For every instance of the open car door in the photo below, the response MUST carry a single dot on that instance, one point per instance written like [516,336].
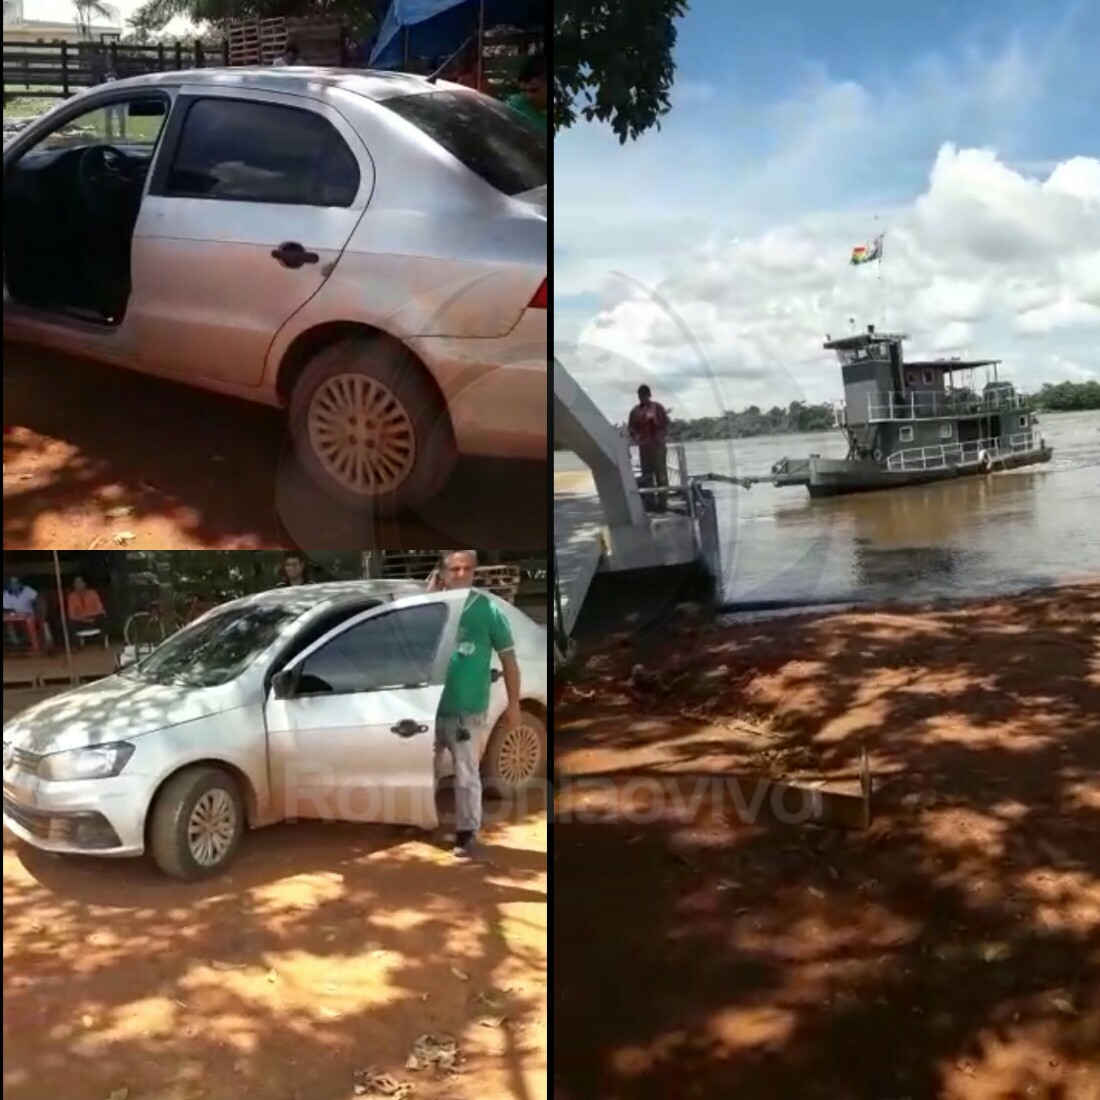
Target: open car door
[351,720]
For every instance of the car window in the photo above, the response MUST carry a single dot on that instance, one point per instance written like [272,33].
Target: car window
[216,649]
[242,151]
[393,650]
[488,137]
[135,124]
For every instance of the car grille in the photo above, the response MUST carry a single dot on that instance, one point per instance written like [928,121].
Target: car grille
[20,758]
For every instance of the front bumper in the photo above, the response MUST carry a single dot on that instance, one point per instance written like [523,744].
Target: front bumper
[102,817]
[495,389]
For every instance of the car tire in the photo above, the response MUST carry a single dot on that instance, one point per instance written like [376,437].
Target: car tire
[369,427]
[207,792]
[516,759]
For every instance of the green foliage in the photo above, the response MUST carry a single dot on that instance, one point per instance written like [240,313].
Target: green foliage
[1069,396]
[360,16]
[613,62]
[797,417]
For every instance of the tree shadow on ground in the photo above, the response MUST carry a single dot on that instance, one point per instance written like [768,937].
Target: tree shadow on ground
[196,470]
[952,950]
[327,949]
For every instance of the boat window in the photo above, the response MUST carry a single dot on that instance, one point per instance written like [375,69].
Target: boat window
[1023,421]
[906,435]
[929,377]
[946,431]
[911,377]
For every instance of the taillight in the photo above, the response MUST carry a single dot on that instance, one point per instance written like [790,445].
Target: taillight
[539,300]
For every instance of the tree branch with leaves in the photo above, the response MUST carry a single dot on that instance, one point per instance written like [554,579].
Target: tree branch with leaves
[613,62]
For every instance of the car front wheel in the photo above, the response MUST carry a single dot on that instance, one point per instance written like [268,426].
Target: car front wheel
[197,824]
[516,758]
[369,427]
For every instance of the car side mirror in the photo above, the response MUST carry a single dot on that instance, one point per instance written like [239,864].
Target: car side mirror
[284,683]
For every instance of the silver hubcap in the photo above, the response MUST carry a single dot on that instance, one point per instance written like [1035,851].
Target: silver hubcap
[519,756]
[362,434]
[211,828]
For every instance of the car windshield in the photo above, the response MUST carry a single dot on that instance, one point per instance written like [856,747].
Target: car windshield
[216,649]
[491,139]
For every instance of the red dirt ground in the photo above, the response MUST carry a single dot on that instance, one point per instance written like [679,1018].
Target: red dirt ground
[950,951]
[327,950]
[197,471]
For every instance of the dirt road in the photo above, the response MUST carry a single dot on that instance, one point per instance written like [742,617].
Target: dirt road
[951,951]
[180,469]
[329,950]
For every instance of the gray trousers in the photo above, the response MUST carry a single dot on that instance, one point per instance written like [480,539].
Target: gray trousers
[461,736]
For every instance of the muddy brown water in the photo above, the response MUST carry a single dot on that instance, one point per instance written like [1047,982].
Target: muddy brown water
[974,537]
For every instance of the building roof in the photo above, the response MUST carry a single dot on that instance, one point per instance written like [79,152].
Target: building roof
[954,364]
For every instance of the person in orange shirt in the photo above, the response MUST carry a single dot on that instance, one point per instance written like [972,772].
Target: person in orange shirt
[85,608]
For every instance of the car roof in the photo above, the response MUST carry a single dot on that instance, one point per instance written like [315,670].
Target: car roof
[309,597]
[376,85]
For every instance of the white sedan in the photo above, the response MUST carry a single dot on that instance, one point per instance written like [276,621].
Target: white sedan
[312,702]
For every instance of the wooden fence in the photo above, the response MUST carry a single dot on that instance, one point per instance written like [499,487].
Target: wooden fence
[60,69]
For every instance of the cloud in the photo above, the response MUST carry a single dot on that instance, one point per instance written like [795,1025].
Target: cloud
[984,260]
[740,212]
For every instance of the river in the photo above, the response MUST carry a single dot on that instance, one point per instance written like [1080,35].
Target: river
[975,536]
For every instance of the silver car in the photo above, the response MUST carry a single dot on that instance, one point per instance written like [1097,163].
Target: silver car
[365,250]
[312,702]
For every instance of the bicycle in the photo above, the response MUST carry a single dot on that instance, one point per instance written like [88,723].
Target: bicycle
[146,629]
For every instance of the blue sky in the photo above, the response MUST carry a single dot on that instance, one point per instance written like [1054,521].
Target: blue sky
[970,132]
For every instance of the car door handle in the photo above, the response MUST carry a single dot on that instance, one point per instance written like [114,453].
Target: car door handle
[291,254]
[408,728]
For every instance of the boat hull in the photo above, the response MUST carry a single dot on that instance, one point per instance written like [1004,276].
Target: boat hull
[825,477]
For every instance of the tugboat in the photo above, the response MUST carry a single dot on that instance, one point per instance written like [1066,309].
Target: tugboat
[910,424]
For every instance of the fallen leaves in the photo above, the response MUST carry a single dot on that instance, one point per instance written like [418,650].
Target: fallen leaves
[433,1052]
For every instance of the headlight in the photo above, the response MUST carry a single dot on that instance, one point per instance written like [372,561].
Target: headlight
[102,762]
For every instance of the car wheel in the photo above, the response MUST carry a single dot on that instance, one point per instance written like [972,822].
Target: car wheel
[197,824]
[514,759]
[369,427]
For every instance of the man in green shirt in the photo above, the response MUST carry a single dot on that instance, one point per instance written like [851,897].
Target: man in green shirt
[530,100]
[462,724]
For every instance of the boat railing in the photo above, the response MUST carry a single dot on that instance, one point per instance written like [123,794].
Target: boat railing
[918,405]
[678,493]
[940,456]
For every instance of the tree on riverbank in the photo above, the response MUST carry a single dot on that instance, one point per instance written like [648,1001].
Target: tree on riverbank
[753,421]
[613,62]
[1069,396]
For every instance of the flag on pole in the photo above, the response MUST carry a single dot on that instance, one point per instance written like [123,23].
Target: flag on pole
[865,254]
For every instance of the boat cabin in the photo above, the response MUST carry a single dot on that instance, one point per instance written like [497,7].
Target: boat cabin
[898,412]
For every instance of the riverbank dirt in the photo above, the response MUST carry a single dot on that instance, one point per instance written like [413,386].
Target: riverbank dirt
[96,458]
[327,952]
[951,950]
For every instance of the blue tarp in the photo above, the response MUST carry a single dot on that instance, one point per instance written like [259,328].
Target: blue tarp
[436,28]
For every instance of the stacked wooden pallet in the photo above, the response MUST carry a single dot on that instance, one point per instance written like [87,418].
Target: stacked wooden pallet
[320,40]
[255,41]
[261,41]
[503,580]
[409,565]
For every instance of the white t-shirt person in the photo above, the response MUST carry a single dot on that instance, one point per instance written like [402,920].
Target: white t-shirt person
[20,602]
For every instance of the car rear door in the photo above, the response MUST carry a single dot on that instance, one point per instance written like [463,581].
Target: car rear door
[252,201]
[354,740]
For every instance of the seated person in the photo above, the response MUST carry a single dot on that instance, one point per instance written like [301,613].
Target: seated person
[21,603]
[85,608]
